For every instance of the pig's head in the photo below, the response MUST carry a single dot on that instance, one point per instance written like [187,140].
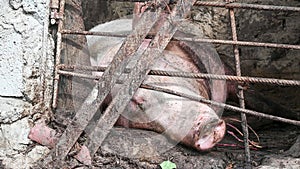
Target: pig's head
[208,129]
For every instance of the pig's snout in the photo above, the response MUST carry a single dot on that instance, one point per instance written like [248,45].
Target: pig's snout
[210,139]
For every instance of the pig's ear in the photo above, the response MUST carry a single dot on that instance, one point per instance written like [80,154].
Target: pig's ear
[138,9]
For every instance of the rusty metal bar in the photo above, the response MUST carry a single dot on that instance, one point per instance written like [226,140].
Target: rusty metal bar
[218,41]
[241,43]
[199,98]
[247,6]
[137,75]
[75,32]
[82,75]
[48,158]
[280,82]
[240,89]
[57,56]
[106,82]
[54,4]
[226,106]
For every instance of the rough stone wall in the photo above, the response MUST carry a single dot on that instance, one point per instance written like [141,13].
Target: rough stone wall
[26,71]
[259,26]
[110,10]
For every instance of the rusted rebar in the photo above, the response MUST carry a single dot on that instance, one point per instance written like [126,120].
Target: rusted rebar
[64,69]
[247,6]
[240,88]
[241,43]
[137,75]
[280,82]
[105,84]
[58,51]
[226,106]
[78,32]
[217,41]
[48,158]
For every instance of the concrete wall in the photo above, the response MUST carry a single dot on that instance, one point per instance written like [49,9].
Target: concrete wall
[26,71]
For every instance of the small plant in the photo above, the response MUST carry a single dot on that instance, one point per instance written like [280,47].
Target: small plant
[167,165]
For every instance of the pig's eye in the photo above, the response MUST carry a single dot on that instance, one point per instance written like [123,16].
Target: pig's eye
[215,134]
[196,135]
[204,137]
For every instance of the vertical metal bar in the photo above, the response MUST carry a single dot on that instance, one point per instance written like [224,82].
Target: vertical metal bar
[137,76]
[58,51]
[54,4]
[240,92]
[105,84]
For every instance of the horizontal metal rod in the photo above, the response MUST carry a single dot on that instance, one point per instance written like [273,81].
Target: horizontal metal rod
[280,82]
[77,32]
[226,106]
[247,6]
[199,99]
[241,43]
[218,41]
[235,5]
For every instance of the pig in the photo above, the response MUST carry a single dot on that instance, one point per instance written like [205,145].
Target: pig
[194,124]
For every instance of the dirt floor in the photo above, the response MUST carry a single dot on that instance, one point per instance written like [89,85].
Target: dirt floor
[275,140]
[128,148]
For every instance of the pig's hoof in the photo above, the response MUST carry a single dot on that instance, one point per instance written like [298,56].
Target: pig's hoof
[43,135]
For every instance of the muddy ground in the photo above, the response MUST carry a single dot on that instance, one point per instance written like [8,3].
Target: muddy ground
[278,147]
[275,140]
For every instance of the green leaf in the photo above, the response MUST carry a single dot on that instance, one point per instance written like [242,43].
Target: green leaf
[167,165]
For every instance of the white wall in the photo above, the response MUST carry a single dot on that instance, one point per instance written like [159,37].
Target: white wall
[26,68]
